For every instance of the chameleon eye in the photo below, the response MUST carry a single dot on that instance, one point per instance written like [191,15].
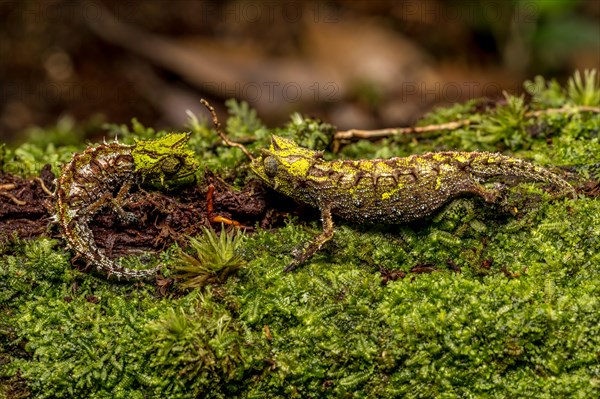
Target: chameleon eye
[170,165]
[270,164]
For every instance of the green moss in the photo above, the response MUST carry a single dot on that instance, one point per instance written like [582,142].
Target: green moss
[213,260]
[520,319]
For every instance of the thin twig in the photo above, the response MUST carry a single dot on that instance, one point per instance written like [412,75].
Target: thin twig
[397,131]
[347,135]
[566,108]
[220,131]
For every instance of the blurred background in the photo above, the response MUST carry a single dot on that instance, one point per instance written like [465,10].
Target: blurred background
[355,64]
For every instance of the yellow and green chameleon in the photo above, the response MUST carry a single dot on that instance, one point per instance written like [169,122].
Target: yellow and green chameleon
[102,176]
[395,190]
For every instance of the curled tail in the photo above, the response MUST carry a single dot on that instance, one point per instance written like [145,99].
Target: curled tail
[81,240]
[490,165]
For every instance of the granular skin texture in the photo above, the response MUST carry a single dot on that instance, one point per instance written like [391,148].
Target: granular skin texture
[102,176]
[395,190]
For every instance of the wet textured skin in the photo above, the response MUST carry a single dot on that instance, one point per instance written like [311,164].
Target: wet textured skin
[102,176]
[392,190]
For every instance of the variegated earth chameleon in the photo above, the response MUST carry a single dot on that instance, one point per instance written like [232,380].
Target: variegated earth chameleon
[101,176]
[395,190]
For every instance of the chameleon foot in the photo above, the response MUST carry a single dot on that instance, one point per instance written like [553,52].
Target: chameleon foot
[316,244]
[489,195]
[128,218]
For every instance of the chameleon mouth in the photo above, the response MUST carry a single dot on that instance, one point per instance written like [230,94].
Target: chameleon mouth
[190,173]
[178,176]
[256,165]
[181,179]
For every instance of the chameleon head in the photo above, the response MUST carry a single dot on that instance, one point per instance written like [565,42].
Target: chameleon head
[165,161]
[284,165]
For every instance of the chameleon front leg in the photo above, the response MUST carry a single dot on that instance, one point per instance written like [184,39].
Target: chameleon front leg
[108,199]
[88,212]
[126,217]
[489,195]
[317,243]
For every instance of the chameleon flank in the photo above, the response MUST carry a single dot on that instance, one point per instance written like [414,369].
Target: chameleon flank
[103,175]
[392,190]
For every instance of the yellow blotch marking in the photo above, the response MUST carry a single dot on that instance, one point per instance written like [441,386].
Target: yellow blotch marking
[365,165]
[384,168]
[439,157]
[392,192]
[461,157]
[420,161]
[336,166]
[388,194]
[298,167]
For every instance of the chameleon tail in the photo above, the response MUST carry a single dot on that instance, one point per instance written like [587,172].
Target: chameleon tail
[489,165]
[81,240]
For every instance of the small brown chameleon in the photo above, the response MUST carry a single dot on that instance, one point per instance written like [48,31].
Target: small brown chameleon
[101,176]
[395,190]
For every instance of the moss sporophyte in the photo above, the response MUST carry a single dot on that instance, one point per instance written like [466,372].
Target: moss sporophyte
[89,182]
[395,190]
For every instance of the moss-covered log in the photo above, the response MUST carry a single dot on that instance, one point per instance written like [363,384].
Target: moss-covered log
[475,301]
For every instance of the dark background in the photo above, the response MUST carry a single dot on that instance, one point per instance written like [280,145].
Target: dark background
[360,64]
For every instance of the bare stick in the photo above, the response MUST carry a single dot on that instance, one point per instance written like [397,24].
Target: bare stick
[220,131]
[566,108]
[397,131]
[347,135]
